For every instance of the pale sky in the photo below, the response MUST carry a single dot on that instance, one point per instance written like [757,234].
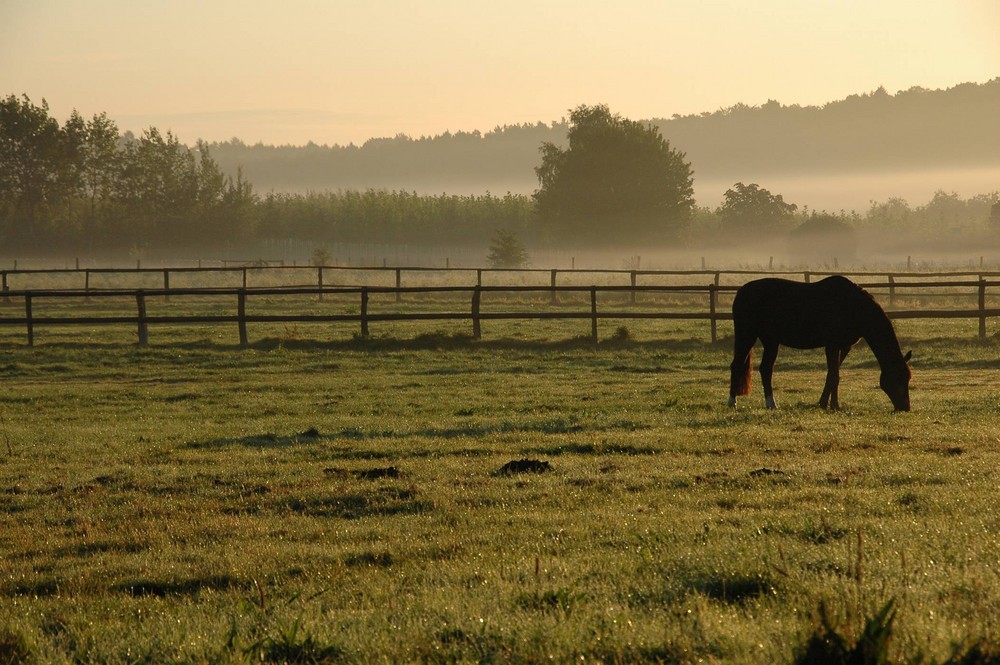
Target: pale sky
[341,72]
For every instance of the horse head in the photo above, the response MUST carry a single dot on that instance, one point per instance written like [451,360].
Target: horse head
[895,381]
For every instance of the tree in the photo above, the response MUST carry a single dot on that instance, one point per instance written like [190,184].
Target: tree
[752,210]
[100,168]
[507,251]
[995,215]
[945,210]
[321,257]
[33,165]
[158,188]
[894,214]
[225,210]
[619,181]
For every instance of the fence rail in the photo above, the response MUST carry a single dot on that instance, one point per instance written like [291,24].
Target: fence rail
[319,274]
[142,320]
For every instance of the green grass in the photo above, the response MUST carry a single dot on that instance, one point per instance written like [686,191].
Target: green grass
[340,501]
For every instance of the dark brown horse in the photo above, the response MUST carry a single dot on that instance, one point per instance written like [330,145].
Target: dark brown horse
[833,313]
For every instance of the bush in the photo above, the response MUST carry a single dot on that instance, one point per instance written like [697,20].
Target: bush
[507,251]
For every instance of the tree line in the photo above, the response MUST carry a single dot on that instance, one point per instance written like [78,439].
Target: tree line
[84,187]
[877,131]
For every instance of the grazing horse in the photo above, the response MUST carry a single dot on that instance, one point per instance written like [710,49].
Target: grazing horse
[833,313]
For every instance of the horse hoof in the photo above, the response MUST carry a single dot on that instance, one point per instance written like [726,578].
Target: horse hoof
[732,402]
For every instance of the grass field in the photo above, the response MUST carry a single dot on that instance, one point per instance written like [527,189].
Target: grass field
[328,501]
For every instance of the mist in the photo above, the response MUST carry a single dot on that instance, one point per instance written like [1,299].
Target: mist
[833,192]
[857,191]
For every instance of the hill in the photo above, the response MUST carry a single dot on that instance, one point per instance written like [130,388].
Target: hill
[867,135]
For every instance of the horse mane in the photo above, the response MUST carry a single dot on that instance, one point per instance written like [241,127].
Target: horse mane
[881,334]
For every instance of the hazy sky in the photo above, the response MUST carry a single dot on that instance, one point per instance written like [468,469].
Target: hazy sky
[342,72]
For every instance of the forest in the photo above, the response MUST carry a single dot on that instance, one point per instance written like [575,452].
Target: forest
[82,187]
[863,133]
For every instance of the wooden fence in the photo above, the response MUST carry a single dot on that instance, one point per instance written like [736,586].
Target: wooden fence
[474,315]
[323,276]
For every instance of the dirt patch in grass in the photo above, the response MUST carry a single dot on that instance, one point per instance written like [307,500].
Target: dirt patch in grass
[376,473]
[382,502]
[518,466]
[188,587]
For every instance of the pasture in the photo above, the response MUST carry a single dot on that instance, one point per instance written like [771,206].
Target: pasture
[305,500]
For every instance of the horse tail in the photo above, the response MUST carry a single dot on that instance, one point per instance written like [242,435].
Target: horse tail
[744,337]
[742,373]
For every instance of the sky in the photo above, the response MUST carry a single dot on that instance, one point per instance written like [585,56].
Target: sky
[340,72]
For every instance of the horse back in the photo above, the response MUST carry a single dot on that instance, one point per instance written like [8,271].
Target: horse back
[831,311]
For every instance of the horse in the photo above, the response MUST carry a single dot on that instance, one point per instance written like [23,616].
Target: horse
[834,313]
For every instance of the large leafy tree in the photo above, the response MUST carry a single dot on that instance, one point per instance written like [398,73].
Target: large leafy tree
[36,165]
[618,182]
[752,210]
[101,160]
[173,194]
[226,205]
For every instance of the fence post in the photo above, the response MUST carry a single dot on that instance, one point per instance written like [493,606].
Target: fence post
[27,318]
[319,281]
[593,313]
[6,289]
[477,332]
[479,276]
[166,285]
[364,311]
[982,308]
[713,295]
[244,278]
[552,280]
[86,286]
[806,273]
[399,281]
[241,313]
[892,291]
[140,301]
[632,279]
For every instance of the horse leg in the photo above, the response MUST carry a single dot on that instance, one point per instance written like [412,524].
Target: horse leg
[767,369]
[833,358]
[834,398]
[739,380]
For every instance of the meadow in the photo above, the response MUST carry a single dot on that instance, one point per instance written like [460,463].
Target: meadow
[322,497]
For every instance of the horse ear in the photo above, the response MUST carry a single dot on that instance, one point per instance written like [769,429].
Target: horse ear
[906,358]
